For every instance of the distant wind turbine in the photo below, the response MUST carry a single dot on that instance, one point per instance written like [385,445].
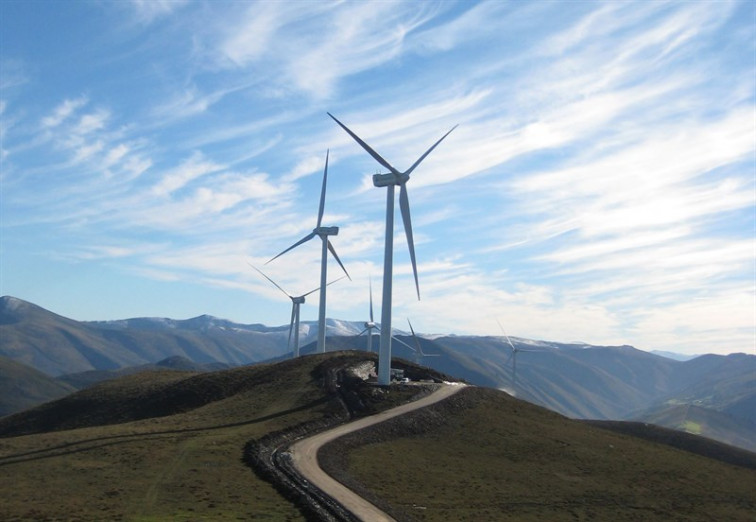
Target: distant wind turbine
[323,233]
[419,354]
[296,300]
[390,180]
[370,325]
[513,357]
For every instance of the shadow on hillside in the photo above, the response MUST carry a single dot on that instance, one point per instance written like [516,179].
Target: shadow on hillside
[56,451]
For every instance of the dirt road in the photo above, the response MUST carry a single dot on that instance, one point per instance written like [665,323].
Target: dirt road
[304,455]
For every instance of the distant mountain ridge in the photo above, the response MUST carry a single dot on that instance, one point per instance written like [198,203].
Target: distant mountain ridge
[575,379]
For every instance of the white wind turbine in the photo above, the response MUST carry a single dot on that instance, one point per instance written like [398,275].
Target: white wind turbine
[323,233]
[390,180]
[513,357]
[296,300]
[419,354]
[370,325]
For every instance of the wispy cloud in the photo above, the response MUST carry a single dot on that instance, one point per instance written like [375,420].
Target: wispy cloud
[311,48]
[599,186]
[63,111]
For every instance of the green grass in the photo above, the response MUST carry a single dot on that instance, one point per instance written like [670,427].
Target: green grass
[185,466]
[485,456]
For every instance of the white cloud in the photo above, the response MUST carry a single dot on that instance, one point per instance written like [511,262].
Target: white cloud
[311,48]
[194,167]
[91,122]
[63,111]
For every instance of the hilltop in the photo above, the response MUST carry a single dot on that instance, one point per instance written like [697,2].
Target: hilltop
[161,445]
[483,455]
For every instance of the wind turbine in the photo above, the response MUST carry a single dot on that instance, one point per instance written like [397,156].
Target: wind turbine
[296,300]
[390,180]
[513,357]
[323,233]
[370,325]
[419,352]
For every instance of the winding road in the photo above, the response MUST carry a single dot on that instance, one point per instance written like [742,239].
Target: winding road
[304,455]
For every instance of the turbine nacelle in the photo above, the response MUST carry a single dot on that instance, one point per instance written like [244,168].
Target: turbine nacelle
[386,180]
[325,231]
[298,300]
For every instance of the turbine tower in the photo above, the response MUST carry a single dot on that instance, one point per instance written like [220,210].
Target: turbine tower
[391,180]
[323,233]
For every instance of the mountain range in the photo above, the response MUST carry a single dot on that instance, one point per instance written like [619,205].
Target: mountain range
[45,356]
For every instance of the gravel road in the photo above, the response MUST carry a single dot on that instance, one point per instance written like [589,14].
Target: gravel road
[304,455]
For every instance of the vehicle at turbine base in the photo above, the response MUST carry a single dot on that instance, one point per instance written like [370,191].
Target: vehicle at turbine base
[397,374]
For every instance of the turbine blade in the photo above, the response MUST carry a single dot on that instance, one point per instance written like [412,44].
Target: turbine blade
[333,251]
[405,344]
[404,207]
[367,147]
[295,245]
[291,323]
[269,279]
[411,329]
[505,335]
[421,158]
[371,300]
[323,191]
[417,341]
[318,288]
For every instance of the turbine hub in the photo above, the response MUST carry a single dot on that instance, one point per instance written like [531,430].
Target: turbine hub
[298,300]
[326,231]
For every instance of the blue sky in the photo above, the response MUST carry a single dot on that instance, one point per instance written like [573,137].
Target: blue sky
[599,188]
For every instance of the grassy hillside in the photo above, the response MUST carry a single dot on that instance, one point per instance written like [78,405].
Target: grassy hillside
[704,421]
[176,363]
[22,387]
[483,455]
[168,446]
[182,465]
